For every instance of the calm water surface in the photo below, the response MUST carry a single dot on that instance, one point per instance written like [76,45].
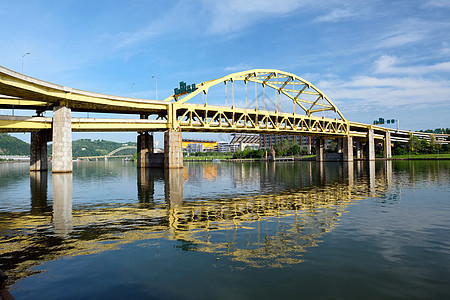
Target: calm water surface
[228,231]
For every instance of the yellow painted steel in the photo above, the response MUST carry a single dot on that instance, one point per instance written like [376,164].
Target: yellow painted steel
[23,87]
[174,113]
[206,144]
[24,124]
[288,84]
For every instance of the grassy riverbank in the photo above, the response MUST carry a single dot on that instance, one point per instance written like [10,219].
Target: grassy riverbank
[422,156]
[203,158]
[230,157]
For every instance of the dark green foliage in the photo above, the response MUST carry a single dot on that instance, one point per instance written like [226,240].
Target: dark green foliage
[398,149]
[249,153]
[417,146]
[10,145]
[285,148]
[437,130]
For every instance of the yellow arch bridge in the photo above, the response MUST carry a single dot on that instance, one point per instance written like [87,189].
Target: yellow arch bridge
[255,101]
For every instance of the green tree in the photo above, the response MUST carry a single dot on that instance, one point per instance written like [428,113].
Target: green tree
[413,143]
[282,148]
[294,149]
[424,146]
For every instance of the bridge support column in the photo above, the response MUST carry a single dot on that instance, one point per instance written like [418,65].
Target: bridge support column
[173,153]
[387,145]
[358,149]
[38,150]
[347,154]
[144,149]
[339,145]
[308,147]
[370,145]
[62,140]
[320,145]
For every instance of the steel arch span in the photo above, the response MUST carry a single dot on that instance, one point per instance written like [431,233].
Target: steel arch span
[290,85]
[186,116]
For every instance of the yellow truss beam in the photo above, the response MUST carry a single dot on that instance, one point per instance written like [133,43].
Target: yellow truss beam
[264,77]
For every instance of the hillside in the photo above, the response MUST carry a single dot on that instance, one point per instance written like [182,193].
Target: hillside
[10,145]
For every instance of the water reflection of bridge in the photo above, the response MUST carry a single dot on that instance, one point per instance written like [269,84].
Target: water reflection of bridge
[280,223]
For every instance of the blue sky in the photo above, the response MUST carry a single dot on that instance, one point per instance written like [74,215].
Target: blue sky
[373,59]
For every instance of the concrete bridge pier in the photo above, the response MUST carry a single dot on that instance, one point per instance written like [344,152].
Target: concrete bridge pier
[370,146]
[38,150]
[144,149]
[340,145]
[308,147]
[387,145]
[62,140]
[320,145]
[173,152]
[359,148]
[347,149]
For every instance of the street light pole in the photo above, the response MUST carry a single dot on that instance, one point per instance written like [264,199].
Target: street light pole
[131,93]
[156,81]
[22,59]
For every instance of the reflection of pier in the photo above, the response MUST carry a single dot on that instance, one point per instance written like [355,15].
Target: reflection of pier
[298,204]
[62,204]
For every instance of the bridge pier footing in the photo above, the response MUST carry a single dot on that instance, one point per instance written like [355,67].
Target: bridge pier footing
[62,140]
[144,149]
[173,153]
[347,153]
[320,145]
[38,150]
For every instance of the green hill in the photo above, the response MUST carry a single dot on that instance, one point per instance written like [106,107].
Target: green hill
[10,145]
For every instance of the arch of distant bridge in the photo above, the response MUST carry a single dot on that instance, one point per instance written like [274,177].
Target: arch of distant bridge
[120,149]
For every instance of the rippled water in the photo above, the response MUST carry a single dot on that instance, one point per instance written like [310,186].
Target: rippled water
[227,230]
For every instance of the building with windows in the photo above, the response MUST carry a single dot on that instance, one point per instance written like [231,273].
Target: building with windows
[194,147]
[207,145]
[268,141]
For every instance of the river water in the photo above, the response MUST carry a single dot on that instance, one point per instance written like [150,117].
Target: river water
[228,231]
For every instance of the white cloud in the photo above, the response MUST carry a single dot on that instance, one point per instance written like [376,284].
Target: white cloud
[367,92]
[401,37]
[231,16]
[336,15]
[238,67]
[389,64]
[437,3]
[445,50]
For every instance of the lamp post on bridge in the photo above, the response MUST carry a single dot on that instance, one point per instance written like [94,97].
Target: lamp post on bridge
[156,83]
[131,89]
[22,59]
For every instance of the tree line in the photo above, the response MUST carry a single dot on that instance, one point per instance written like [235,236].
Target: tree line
[419,146]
